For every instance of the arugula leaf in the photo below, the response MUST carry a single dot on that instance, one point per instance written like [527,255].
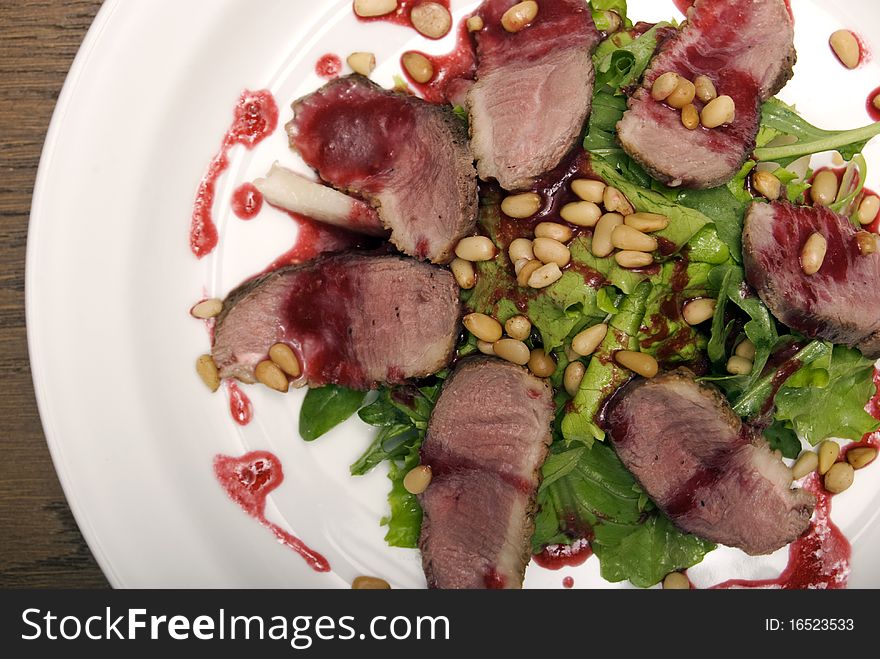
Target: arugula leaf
[645,553]
[726,208]
[706,246]
[405,521]
[325,408]
[603,375]
[777,118]
[827,398]
[624,65]
[587,492]
[781,437]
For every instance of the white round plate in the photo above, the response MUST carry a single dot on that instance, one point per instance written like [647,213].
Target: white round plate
[110,280]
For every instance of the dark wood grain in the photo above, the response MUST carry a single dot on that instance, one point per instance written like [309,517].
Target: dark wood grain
[40,545]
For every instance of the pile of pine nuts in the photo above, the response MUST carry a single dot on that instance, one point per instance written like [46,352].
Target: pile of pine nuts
[509,342]
[678,92]
[469,251]
[837,475]
[742,360]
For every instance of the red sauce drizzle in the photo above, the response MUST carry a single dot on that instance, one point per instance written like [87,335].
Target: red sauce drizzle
[873,112]
[329,66]
[248,481]
[247,201]
[239,404]
[873,406]
[255,117]
[568,582]
[453,72]
[818,559]
[556,557]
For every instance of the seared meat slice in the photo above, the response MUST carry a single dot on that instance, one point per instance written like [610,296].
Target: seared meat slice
[533,92]
[841,302]
[352,319]
[487,439]
[747,50]
[286,189]
[411,160]
[707,471]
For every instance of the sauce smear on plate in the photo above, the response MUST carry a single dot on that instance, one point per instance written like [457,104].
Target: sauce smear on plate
[255,117]
[556,557]
[248,481]
[328,66]
[239,404]
[247,201]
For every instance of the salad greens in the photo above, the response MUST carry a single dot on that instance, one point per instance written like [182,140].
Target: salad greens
[797,389]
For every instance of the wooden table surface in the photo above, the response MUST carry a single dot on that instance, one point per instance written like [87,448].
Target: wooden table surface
[40,544]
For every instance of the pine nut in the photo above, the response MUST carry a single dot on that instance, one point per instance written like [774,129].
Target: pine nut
[588,189]
[628,258]
[638,362]
[475,248]
[698,311]
[581,213]
[207,309]
[520,264]
[664,85]
[520,248]
[839,477]
[683,94]
[369,583]
[545,276]
[541,364]
[601,245]
[485,347]
[647,222]
[518,327]
[525,274]
[868,209]
[431,19]
[737,365]
[417,479]
[269,374]
[813,253]
[876,102]
[520,206]
[861,457]
[553,230]
[571,379]
[585,343]
[867,242]
[464,273]
[283,356]
[676,581]
[767,185]
[613,20]
[551,251]
[483,327]
[846,47]
[717,112]
[207,370]
[474,24]
[806,463]
[690,117]
[705,88]
[625,237]
[363,63]
[746,349]
[369,8]
[615,201]
[824,188]
[418,66]
[519,16]
[828,453]
[837,159]
[513,351]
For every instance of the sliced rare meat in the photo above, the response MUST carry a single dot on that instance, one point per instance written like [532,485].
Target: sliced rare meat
[533,91]
[352,319]
[410,159]
[841,302]
[286,189]
[747,50]
[487,439]
[708,472]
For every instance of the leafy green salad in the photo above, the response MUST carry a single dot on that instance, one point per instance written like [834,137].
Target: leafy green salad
[585,486]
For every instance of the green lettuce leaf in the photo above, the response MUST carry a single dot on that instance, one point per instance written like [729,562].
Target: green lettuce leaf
[405,521]
[623,63]
[827,398]
[324,408]
[781,437]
